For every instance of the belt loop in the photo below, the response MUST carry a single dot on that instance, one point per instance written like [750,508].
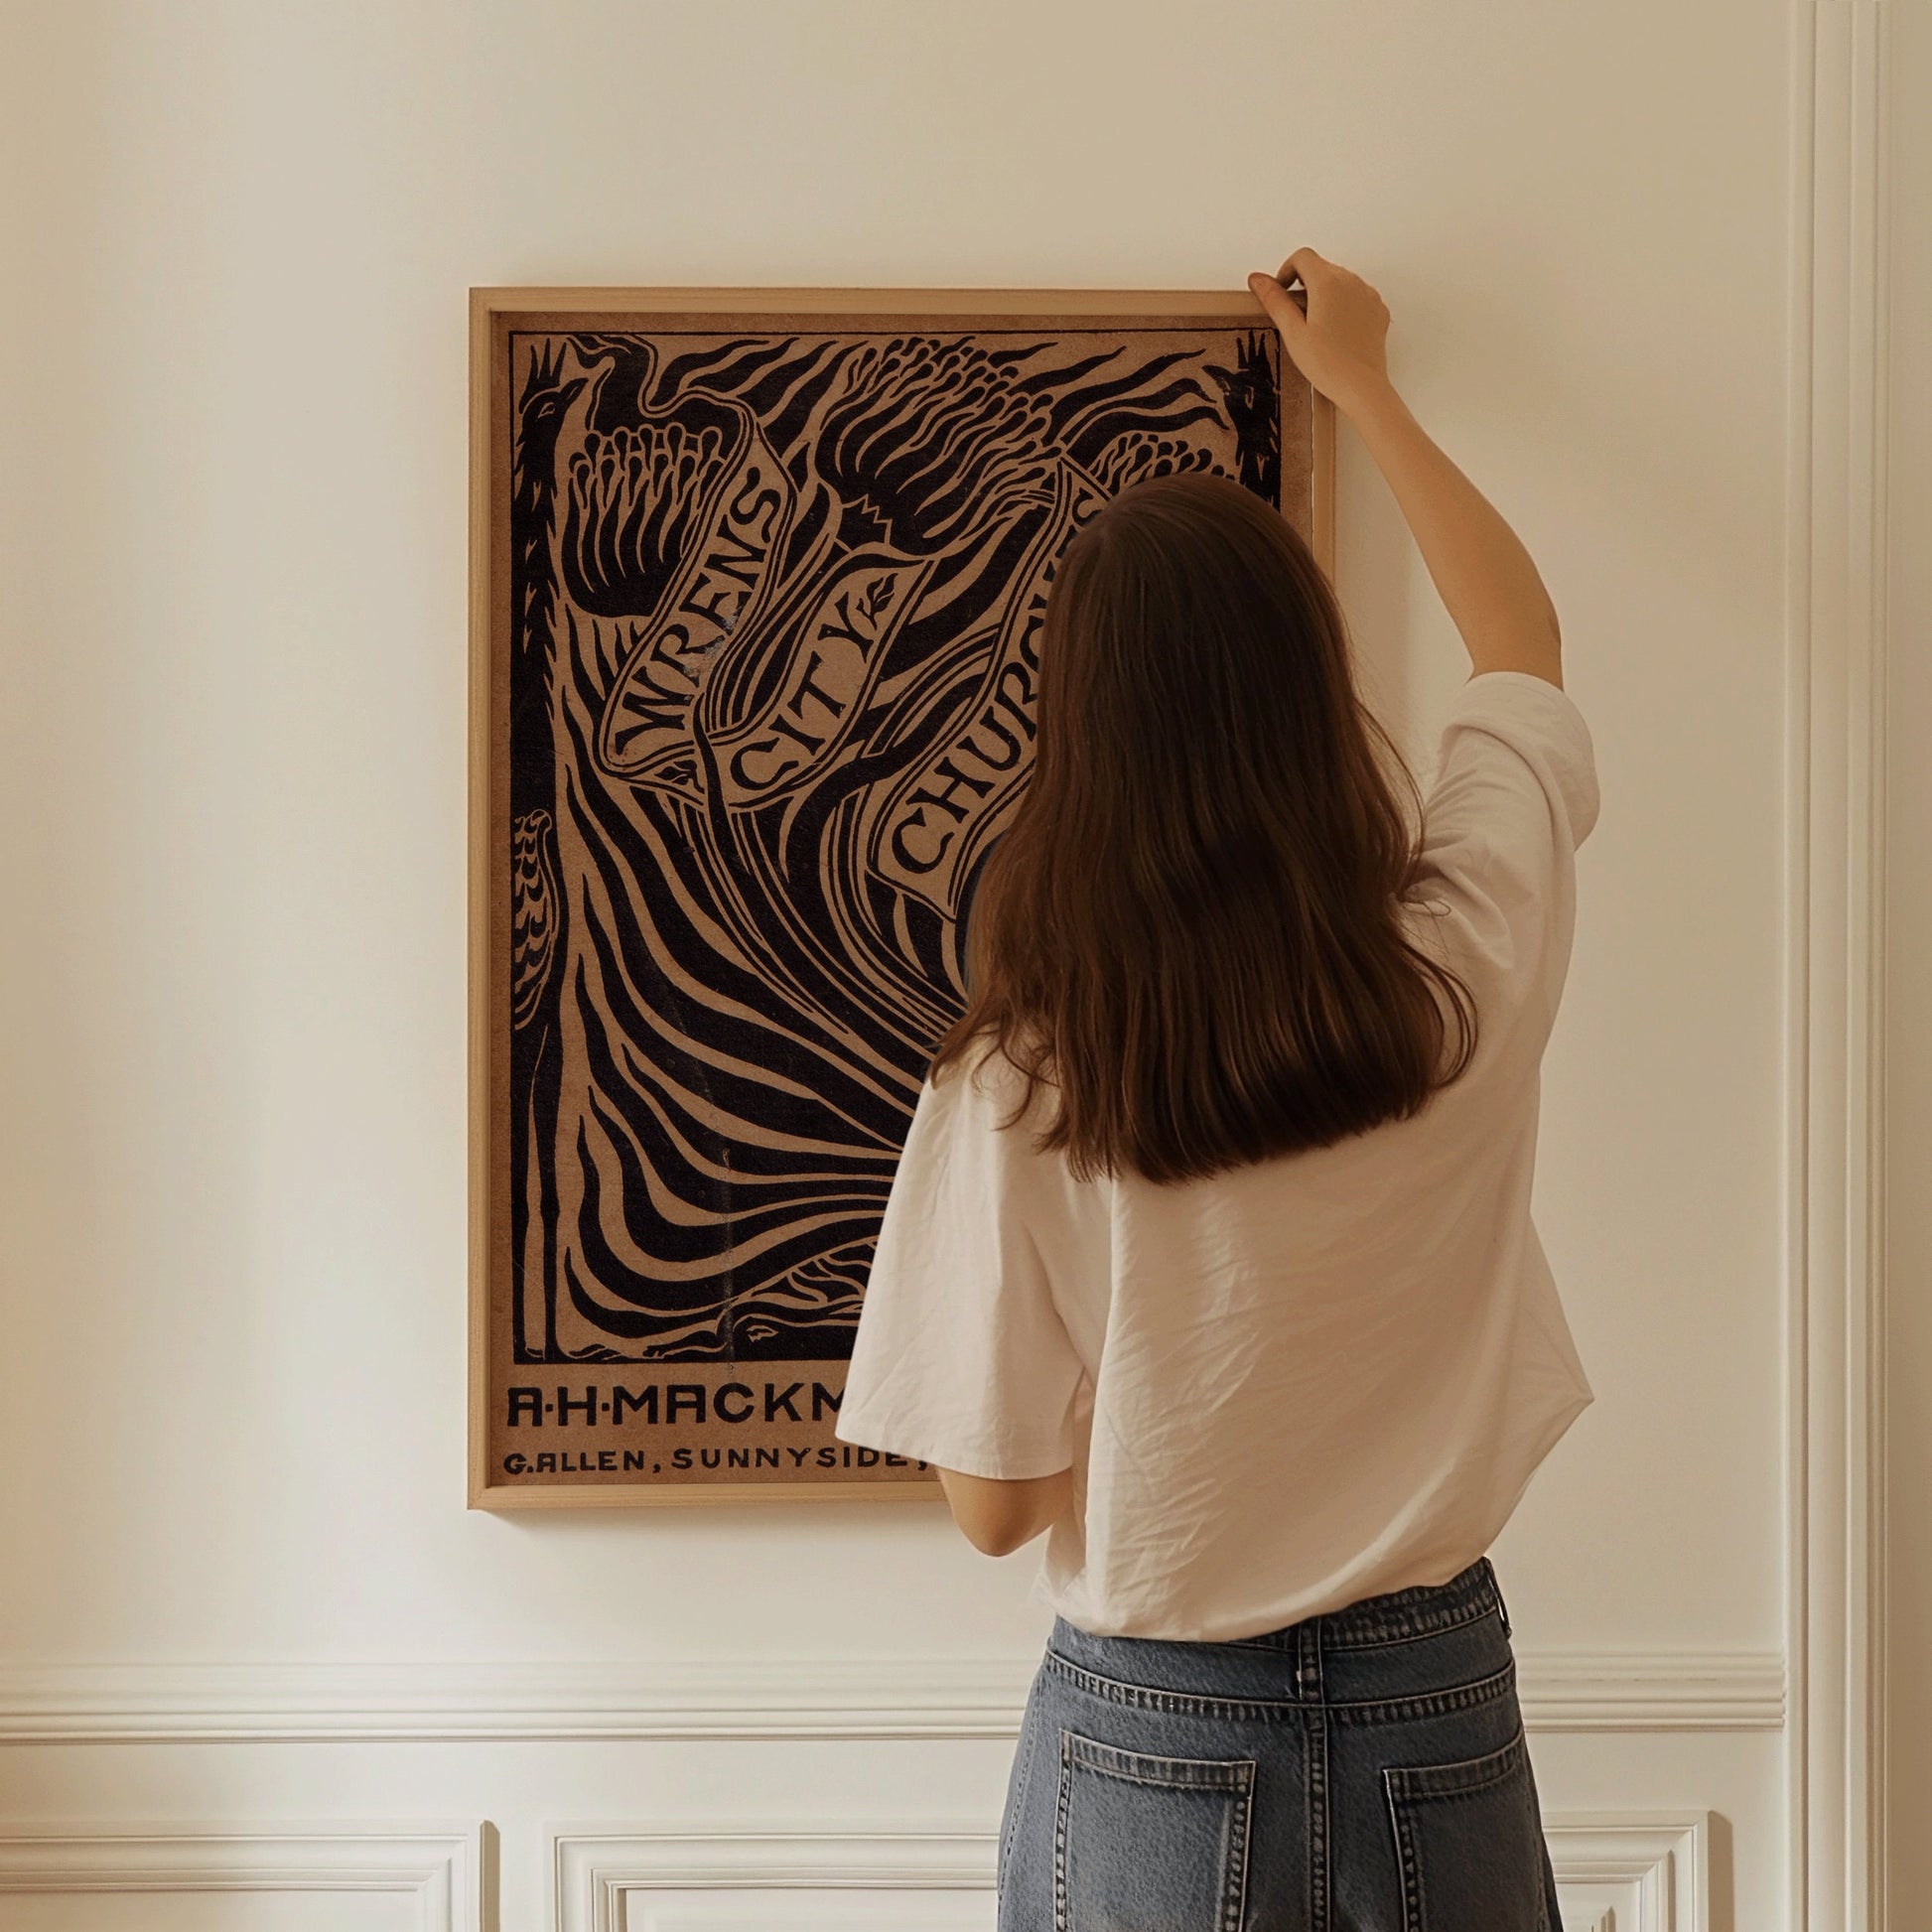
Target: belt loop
[1502,1609]
[1307,1659]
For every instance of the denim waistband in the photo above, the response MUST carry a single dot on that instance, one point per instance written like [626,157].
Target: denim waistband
[1399,1614]
[1362,1661]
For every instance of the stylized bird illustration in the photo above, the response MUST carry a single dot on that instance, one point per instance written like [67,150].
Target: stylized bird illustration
[547,396]
[1254,409]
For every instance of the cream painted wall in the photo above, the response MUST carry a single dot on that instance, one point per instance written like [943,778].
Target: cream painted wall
[233,528]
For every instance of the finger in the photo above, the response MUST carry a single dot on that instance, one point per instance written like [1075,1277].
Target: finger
[1286,308]
[1303,262]
[1281,307]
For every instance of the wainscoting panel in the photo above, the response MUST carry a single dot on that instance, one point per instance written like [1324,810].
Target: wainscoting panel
[612,1879]
[424,1879]
[1638,1872]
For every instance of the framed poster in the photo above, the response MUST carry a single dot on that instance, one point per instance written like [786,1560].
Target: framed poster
[757,579]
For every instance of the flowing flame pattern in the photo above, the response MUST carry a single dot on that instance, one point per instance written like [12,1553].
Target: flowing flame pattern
[776,598]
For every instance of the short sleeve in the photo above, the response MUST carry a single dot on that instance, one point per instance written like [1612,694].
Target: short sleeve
[961,1358]
[1515,795]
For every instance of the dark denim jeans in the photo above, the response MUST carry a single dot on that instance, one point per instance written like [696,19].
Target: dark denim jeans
[1361,1771]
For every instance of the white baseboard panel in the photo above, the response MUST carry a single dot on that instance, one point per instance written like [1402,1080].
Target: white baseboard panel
[440,1867]
[808,1698]
[1636,1871]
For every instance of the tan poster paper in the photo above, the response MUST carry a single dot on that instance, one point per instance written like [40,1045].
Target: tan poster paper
[758,578]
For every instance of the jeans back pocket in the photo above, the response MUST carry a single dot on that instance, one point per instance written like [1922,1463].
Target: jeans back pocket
[1150,1844]
[1470,1844]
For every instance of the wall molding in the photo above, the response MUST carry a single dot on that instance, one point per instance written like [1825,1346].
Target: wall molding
[595,1868]
[1618,1871]
[1834,1008]
[439,1867]
[1632,1871]
[958,1698]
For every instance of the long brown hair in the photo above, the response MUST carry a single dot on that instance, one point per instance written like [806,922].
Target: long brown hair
[1190,929]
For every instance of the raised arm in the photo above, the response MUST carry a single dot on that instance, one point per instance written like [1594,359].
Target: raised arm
[1335,328]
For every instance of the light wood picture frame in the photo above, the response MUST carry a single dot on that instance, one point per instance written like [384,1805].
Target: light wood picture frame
[749,568]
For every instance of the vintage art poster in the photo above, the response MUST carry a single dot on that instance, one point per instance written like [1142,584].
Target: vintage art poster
[757,586]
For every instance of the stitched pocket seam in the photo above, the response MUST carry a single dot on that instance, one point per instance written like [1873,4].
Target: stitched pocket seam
[1233,1776]
[1149,1767]
[1408,1787]
[1465,1774]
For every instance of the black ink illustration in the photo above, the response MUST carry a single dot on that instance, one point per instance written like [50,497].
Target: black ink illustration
[774,609]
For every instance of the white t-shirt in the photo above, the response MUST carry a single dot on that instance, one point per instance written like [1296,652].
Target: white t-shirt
[1291,1385]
